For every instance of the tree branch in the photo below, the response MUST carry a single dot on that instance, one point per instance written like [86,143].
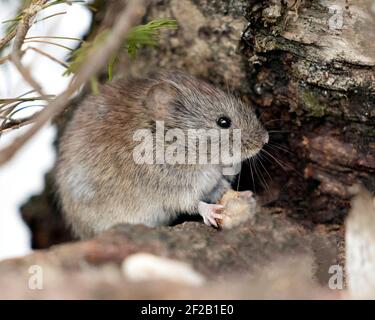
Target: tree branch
[22,28]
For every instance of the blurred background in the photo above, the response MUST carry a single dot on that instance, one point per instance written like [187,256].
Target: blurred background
[23,176]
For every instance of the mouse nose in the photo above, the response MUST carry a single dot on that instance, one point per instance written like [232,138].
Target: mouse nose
[266,138]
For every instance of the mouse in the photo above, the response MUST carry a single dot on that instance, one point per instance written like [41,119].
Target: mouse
[102,182]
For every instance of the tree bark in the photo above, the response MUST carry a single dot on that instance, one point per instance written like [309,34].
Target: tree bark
[312,62]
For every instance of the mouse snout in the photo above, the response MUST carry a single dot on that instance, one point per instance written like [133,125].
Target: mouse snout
[262,136]
[254,141]
[266,137]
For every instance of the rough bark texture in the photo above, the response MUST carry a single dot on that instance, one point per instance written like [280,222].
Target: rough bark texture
[313,84]
[319,76]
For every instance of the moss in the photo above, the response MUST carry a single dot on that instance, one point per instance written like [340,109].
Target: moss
[312,103]
[265,44]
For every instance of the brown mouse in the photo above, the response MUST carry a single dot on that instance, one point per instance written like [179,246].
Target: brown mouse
[100,180]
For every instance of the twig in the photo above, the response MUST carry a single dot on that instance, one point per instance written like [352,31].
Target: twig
[21,30]
[11,100]
[47,55]
[4,59]
[18,123]
[51,43]
[7,109]
[54,37]
[51,16]
[4,41]
[130,16]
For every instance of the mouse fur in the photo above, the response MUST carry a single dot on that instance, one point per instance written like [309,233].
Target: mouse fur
[98,182]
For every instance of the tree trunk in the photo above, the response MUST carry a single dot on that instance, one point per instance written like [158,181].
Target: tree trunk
[312,63]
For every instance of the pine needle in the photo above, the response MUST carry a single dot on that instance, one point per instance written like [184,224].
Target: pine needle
[139,36]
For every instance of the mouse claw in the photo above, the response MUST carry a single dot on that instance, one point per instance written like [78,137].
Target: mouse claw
[210,212]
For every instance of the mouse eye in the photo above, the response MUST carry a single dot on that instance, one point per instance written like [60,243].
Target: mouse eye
[224,122]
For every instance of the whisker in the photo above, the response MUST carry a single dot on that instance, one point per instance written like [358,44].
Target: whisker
[265,169]
[264,178]
[259,173]
[278,131]
[280,145]
[281,164]
[275,147]
[252,175]
[273,120]
[239,178]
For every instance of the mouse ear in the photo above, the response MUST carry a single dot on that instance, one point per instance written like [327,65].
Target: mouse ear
[159,99]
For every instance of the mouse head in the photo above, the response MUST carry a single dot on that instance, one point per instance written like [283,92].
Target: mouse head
[184,102]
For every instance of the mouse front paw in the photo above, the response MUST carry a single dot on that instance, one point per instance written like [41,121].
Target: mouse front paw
[210,212]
